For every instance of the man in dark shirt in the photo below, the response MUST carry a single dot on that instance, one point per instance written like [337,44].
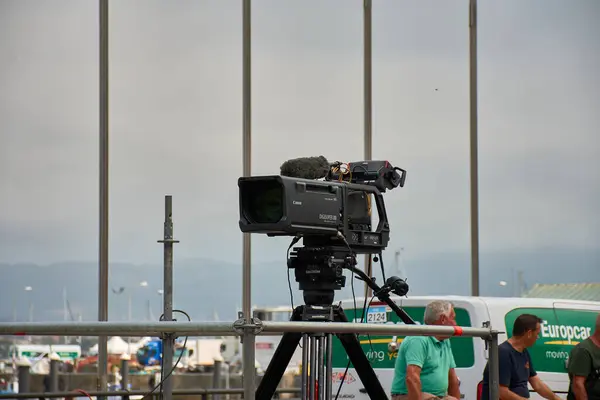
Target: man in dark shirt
[584,368]
[515,365]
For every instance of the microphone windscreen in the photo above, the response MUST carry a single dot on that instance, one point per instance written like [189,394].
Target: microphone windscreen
[306,167]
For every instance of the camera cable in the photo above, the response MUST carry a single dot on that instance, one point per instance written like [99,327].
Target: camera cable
[163,378]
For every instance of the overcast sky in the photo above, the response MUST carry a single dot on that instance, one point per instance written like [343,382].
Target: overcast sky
[176,120]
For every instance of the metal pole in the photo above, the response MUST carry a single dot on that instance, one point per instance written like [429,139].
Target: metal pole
[248,339]
[168,340]
[268,328]
[312,365]
[96,328]
[54,360]
[65,310]
[30,310]
[24,377]
[368,104]
[125,374]
[321,365]
[305,367]
[494,369]
[217,366]
[328,379]
[103,233]
[204,393]
[474,156]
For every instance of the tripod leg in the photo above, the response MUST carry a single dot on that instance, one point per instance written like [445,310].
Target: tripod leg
[304,366]
[277,365]
[313,367]
[360,362]
[328,366]
[320,362]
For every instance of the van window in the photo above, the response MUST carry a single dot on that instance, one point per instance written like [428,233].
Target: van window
[376,347]
[561,330]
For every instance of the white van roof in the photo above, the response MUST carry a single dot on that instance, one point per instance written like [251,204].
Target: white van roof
[489,301]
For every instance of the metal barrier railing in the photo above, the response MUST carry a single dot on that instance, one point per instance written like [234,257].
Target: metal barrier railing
[108,328]
[243,328]
[204,393]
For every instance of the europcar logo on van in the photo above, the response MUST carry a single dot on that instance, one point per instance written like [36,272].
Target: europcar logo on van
[560,331]
[564,334]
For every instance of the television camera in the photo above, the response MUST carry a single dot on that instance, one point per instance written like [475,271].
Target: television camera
[296,204]
[329,207]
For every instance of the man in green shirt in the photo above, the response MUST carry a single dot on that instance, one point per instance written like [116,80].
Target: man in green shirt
[584,368]
[425,365]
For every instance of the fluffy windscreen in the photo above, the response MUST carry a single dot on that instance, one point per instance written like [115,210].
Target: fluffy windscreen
[306,167]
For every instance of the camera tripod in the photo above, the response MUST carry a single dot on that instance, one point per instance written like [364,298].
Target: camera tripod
[317,356]
[317,348]
[319,272]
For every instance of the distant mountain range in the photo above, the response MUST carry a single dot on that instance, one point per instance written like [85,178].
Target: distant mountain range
[209,289]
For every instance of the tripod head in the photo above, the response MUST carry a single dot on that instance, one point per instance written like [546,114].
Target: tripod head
[319,272]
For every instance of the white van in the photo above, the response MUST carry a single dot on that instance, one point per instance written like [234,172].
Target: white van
[566,323]
[266,344]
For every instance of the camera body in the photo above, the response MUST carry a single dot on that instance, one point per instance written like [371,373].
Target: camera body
[332,216]
[319,210]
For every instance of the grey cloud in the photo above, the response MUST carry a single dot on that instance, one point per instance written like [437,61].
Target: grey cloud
[176,122]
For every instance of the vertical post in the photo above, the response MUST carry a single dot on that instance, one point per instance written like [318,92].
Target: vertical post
[227,380]
[217,366]
[30,310]
[79,338]
[474,156]
[23,366]
[312,368]
[14,341]
[321,385]
[305,367]
[248,338]
[520,284]
[368,104]
[65,311]
[168,339]
[125,373]
[129,301]
[103,229]
[328,379]
[54,362]
[148,310]
[494,370]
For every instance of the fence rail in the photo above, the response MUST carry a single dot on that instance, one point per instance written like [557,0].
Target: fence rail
[124,393]
[109,328]
[382,329]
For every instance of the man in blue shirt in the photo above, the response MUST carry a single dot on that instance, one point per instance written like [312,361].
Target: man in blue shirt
[515,365]
[425,365]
